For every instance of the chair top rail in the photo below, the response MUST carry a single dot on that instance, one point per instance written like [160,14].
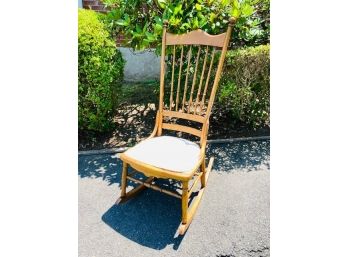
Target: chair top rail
[196,37]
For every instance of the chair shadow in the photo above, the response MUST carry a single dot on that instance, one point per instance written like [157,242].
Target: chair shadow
[150,219]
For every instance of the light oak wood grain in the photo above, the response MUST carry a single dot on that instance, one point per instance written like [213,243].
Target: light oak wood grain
[200,172]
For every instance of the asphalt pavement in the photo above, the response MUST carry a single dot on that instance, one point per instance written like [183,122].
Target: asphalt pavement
[232,219]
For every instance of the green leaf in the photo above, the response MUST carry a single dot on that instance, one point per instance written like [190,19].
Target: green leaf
[185,26]
[198,7]
[115,14]
[174,21]
[138,29]
[158,20]
[127,19]
[212,17]
[195,23]
[150,37]
[236,4]
[178,9]
[145,27]
[247,10]
[124,22]
[158,28]
[121,22]
[203,22]
[235,13]
[235,9]
[162,3]
[224,2]
[137,33]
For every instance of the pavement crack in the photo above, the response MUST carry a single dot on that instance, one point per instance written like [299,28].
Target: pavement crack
[259,250]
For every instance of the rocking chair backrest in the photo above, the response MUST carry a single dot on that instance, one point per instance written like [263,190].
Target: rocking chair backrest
[194,65]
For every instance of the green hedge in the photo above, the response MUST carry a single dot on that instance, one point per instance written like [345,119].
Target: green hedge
[244,87]
[141,22]
[100,73]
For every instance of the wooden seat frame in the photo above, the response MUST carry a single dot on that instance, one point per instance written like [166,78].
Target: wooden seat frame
[200,172]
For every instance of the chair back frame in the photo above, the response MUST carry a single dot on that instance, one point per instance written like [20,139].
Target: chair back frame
[202,40]
[191,110]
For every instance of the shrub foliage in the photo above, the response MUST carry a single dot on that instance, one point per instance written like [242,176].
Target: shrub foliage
[244,86]
[100,72]
[142,21]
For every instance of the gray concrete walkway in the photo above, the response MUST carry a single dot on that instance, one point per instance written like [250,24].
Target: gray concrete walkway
[232,219]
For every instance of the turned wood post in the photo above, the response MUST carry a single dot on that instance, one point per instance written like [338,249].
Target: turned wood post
[163,58]
[184,201]
[124,179]
[203,178]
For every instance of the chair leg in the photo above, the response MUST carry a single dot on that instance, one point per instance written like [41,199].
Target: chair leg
[184,201]
[124,179]
[188,213]
[132,193]
[203,177]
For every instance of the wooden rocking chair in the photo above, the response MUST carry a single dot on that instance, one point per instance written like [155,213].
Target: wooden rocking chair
[175,158]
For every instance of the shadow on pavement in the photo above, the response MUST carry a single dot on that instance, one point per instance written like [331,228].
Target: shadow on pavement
[241,156]
[152,218]
[105,166]
[229,157]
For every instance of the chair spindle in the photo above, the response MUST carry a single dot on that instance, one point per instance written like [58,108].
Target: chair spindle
[186,79]
[208,78]
[172,84]
[194,79]
[201,80]
[178,89]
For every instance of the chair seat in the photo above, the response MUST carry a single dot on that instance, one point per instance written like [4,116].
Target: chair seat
[167,152]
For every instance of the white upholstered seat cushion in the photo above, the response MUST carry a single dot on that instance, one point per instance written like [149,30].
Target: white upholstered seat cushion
[166,152]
